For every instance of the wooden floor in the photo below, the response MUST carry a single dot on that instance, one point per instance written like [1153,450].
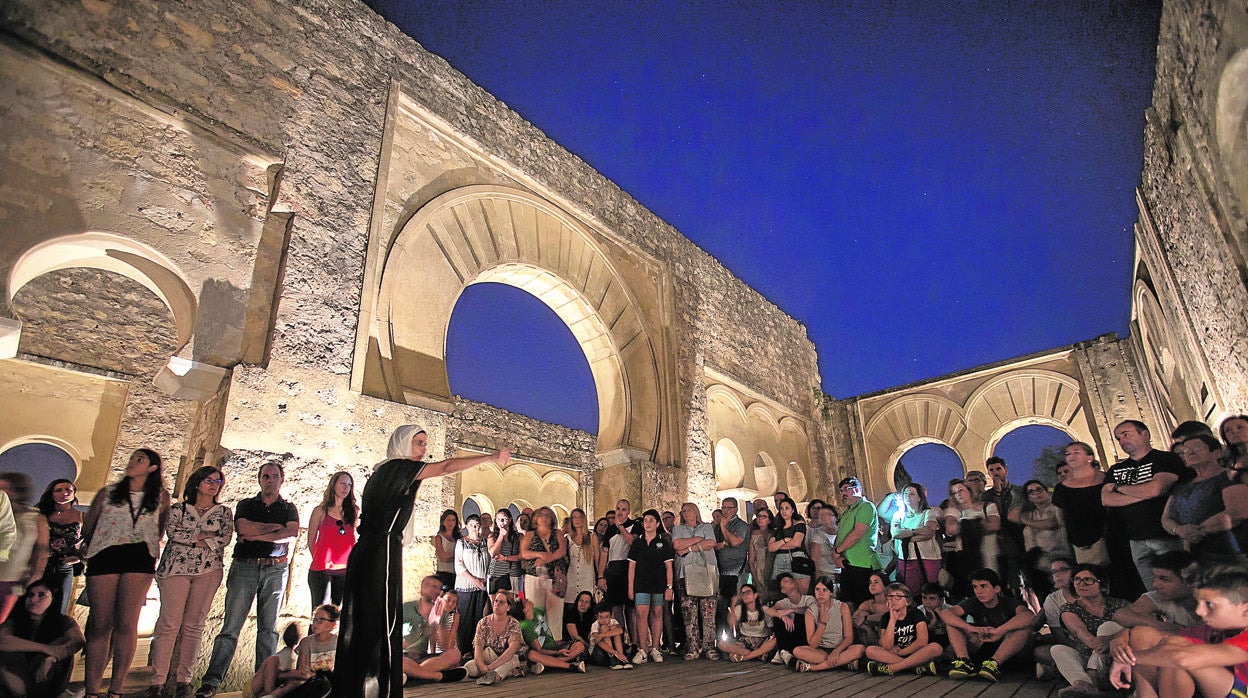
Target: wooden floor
[674,677]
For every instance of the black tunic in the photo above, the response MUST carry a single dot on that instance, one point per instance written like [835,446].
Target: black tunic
[369,660]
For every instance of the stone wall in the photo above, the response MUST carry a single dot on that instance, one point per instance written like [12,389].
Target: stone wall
[1193,233]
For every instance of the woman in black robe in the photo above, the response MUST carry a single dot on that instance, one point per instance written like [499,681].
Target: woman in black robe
[369,660]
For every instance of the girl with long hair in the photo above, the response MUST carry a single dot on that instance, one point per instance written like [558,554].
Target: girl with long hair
[59,506]
[915,529]
[331,535]
[449,533]
[504,542]
[583,548]
[789,542]
[749,627]
[189,574]
[122,531]
[830,633]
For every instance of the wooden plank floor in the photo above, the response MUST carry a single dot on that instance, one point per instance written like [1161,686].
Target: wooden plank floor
[675,677]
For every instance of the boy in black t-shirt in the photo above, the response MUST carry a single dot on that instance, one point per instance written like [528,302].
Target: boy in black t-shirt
[1000,628]
[904,639]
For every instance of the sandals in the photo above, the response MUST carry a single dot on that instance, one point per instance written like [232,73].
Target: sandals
[736,658]
[691,655]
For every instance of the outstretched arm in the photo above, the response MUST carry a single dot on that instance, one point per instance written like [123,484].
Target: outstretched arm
[455,465]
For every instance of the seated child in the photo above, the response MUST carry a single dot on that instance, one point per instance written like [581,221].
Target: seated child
[314,655]
[607,637]
[544,651]
[278,669]
[1001,628]
[37,646]
[751,628]
[431,623]
[829,633]
[933,598]
[1165,664]
[904,639]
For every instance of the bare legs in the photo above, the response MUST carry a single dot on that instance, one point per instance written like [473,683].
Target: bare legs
[116,600]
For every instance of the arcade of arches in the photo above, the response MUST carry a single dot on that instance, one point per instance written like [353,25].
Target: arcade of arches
[248,249]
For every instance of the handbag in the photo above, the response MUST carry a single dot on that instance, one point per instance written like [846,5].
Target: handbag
[701,577]
[800,563]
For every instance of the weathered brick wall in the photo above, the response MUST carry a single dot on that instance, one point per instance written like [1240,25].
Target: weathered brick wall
[1188,198]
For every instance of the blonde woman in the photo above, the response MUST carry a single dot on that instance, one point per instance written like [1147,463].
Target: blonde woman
[583,547]
[544,558]
[694,542]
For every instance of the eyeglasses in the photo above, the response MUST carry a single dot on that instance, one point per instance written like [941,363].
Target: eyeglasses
[1086,581]
[214,480]
[901,597]
[342,527]
[322,619]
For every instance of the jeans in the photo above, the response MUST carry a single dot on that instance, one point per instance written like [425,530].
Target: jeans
[320,581]
[247,581]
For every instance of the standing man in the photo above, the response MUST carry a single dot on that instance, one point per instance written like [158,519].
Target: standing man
[732,552]
[1134,495]
[1011,551]
[267,525]
[856,534]
[613,564]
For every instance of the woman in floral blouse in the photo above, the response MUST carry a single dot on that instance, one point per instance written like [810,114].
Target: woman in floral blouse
[58,505]
[189,574]
[497,643]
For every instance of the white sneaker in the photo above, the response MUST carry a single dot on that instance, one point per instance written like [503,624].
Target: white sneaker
[656,656]
[640,657]
[535,668]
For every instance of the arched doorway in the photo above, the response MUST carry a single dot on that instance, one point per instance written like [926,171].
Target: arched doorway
[41,462]
[506,348]
[933,464]
[1031,452]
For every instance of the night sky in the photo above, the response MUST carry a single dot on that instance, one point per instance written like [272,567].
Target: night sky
[927,186]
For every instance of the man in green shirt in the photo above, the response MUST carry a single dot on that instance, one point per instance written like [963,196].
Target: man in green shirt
[856,534]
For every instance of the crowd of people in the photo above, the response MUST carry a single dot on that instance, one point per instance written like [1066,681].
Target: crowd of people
[1131,576]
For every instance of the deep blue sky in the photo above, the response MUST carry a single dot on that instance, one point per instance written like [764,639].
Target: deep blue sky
[927,186]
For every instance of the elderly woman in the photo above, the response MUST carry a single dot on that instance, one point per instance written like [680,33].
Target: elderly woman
[1044,534]
[496,643]
[1208,511]
[189,575]
[37,647]
[370,637]
[544,557]
[1083,618]
[914,529]
[694,542]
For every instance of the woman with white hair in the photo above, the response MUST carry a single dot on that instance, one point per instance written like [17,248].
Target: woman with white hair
[370,637]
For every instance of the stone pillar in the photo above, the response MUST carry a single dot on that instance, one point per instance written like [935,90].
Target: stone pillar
[1110,375]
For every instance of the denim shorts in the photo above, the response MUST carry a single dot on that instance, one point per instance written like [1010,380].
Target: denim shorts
[641,598]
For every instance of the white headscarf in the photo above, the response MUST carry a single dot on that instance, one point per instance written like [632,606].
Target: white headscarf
[400,445]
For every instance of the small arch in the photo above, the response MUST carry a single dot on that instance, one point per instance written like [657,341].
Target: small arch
[727,396]
[1231,125]
[117,254]
[729,466]
[766,475]
[764,414]
[795,480]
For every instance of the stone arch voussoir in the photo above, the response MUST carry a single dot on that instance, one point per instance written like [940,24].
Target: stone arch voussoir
[480,233]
